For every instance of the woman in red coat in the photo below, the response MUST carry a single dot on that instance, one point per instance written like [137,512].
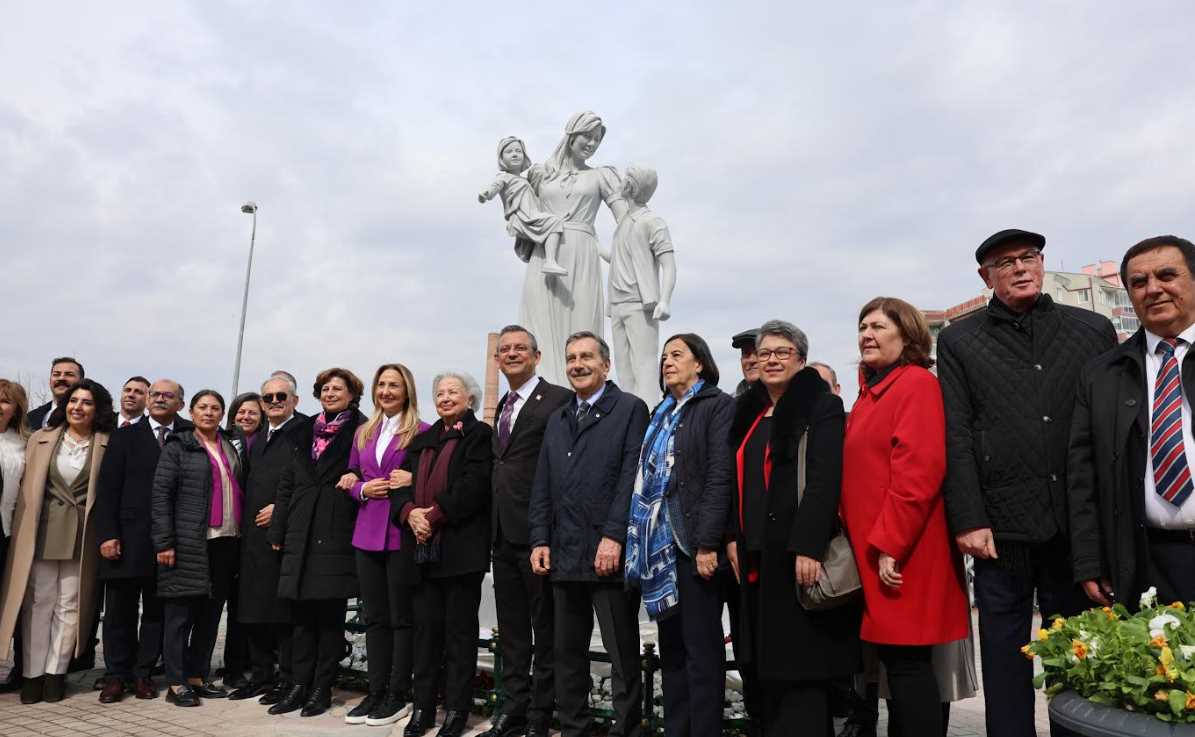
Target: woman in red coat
[894,460]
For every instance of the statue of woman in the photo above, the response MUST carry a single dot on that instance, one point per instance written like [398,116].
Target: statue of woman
[554,307]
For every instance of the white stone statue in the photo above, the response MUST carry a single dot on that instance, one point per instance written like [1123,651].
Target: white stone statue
[525,218]
[555,306]
[642,279]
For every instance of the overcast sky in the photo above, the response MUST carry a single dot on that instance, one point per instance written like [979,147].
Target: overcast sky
[811,156]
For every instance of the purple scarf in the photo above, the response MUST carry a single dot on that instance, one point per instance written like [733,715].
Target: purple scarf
[325,431]
[218,460]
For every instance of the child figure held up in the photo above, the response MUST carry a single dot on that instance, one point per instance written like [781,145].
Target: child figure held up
[526,219]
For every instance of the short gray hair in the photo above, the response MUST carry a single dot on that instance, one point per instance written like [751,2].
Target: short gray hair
[282,376]
[827,367]
[521,329]
[788,331]
[466,380]
[603,347]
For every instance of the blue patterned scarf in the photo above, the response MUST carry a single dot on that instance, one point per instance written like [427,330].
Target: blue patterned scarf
[651,550]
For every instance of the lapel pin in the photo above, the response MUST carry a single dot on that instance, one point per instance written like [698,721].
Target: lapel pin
[538,397]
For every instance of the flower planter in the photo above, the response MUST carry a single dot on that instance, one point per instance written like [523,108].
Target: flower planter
[1070,710]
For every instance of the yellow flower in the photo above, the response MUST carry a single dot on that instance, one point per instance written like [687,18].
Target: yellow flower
[1166,659]
[1109,613]
[1079,648]
[1058,624]
[1162,694]
[1159,641]
[1026,652]
[1178,605]
[1043,634]
[1190,701]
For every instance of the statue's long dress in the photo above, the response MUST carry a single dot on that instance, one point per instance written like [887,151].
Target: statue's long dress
[554,307]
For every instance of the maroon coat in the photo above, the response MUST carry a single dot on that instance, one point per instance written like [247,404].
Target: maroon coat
[894,460]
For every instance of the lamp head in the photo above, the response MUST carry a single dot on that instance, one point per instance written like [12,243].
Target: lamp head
[249,208]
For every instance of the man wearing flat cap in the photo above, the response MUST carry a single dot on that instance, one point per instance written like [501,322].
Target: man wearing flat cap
[1009,376]
[744,343]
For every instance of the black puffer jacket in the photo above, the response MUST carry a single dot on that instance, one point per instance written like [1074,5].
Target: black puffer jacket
[182,496]
[1008,382]
[699,489]
[313,520]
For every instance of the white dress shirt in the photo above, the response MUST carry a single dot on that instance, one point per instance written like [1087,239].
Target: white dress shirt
[154,425]
[12,466]
[122,421]
[389,429]
[520,396]
[1158,511]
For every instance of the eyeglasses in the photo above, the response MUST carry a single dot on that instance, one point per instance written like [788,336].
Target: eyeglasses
[162,395]
[781,354]
[1028,258]
[276,398]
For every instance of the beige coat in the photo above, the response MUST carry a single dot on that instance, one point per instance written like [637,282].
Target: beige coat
[39,454]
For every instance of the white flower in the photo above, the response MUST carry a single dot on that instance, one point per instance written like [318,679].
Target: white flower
[1094,645]
[1158,625]
[1149,598]
[1187,650]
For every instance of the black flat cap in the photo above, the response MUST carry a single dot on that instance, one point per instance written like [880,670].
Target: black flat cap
[1005,237]
[747,337]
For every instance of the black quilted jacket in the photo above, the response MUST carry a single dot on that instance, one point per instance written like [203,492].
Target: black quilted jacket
[180,506]
[1009,383]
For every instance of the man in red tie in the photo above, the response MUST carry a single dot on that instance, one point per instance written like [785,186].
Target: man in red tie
[1131,450]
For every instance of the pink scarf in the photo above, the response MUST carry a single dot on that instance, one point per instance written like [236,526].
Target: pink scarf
[325,431]
[219,461]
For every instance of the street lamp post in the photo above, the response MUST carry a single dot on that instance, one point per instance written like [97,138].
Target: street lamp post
[249,208]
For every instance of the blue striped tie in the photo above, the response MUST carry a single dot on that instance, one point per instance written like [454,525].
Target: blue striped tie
[1172,475]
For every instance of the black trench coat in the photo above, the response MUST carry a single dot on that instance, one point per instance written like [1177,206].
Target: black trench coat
[313,520]
[783,640]
[260,564]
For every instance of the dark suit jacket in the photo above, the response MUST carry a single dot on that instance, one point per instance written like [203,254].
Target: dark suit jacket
[37,416]
[1109,447]
[514,467]
[583,484]
[123,496]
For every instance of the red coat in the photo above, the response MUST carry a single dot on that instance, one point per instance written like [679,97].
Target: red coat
[894,460]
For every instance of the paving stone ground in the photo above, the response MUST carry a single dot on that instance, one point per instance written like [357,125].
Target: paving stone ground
[82,714]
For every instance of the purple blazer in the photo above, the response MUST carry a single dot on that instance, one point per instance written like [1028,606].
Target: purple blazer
[373,530]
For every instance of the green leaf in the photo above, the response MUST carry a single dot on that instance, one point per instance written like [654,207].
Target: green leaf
[1039,679]
[1178,701]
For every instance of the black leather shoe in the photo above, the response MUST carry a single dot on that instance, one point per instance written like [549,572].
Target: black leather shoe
[292,701]
[421,721]
[319,702]
[55,688]
[182,696]
[506,725]
[249,690]
[209,690]
[454,724]
[33,690]
[275,693]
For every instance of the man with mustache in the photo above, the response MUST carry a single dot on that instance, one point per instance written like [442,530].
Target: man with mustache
[64,372]
[128,562]
[1131,451]
[132,401]
[1008,377]
[523,600]
[580,502]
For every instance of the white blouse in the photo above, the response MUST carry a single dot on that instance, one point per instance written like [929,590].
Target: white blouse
[12,466]
[389,429]
[72,457]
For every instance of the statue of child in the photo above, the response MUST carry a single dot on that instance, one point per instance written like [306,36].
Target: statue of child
[526,219]
[642,279]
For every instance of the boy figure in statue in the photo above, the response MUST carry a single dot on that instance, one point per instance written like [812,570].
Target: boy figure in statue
[642,278]
[526,220]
